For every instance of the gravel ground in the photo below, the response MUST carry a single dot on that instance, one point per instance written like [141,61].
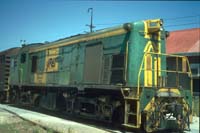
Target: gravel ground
[56,124]
[194,126]
[10,122]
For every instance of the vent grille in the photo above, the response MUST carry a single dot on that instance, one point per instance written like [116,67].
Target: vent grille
[106,69]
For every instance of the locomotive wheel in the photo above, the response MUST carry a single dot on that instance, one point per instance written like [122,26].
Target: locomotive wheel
[118,116]
[14,98]
[60,102]
[1,98]
[36,102]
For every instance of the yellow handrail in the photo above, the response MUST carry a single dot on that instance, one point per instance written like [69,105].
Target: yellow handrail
[172,55]
[172,71]
[168,71]
[140,70]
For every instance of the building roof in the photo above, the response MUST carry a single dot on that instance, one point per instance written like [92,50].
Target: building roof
[10,51]
[183,41]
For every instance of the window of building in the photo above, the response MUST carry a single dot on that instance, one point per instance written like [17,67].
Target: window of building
[194,71]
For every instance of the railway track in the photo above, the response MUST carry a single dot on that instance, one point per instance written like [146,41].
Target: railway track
[102,127]
[107,127]
[32,124]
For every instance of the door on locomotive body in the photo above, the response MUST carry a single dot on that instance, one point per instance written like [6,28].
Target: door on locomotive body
[14,73]
[93,63]
[23,67]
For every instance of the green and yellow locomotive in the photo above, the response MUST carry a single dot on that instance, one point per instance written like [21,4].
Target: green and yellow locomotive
[5,73]
[118,75]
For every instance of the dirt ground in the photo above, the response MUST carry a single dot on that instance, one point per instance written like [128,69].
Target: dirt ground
[194,126]
[10,123]
[196,106]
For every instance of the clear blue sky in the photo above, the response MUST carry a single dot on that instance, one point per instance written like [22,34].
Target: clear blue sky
[49,20]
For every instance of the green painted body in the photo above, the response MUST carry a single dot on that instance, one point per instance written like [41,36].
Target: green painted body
[71,60]
[73,66]
[136,52]
[19,73]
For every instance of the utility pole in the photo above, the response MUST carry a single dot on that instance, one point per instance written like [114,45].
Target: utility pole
[91,26]
[23,42]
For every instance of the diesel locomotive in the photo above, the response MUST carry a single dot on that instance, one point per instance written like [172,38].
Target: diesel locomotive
[119,75]
[5,72]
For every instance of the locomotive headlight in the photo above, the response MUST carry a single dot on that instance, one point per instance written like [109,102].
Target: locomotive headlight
[154,25]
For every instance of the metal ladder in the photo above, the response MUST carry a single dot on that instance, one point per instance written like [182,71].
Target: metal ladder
[131,111]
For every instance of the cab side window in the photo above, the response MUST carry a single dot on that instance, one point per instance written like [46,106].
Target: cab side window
[23,57]
[34,64]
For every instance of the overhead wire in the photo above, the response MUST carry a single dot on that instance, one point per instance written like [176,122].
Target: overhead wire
[175,18]
[183,18]
[181,24]
[166,19]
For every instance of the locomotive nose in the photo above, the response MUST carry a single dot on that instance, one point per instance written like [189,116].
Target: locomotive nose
[154,25]
[168,92]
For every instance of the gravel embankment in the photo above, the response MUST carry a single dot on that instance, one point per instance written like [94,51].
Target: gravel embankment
[10,122]
[54,123]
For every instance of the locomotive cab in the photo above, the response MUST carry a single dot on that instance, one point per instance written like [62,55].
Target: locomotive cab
[162,98]
[170,105]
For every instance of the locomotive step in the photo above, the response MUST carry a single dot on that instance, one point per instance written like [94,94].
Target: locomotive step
[130,125]
[131,113]
[131,98]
